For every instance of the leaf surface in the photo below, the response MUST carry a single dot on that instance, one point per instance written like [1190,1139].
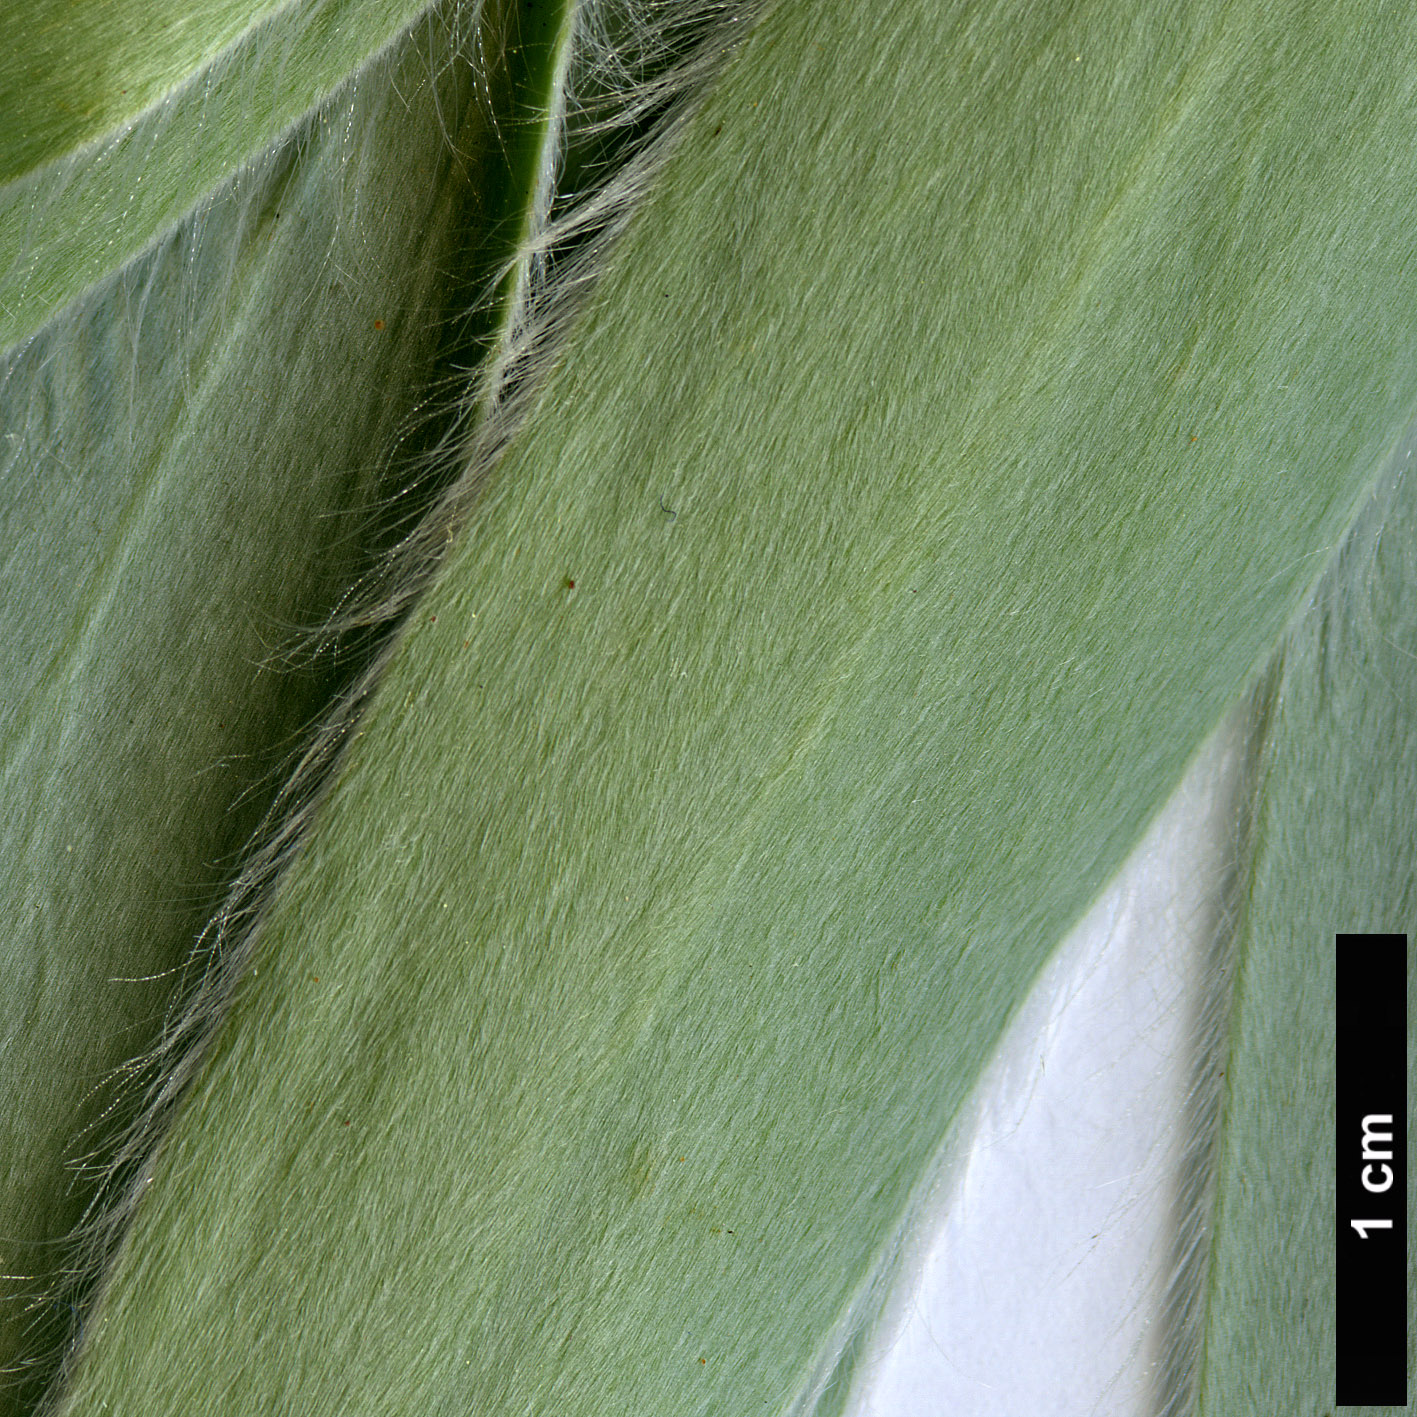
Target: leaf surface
[199,458]
[957,432]
[118,119]
[1336,851]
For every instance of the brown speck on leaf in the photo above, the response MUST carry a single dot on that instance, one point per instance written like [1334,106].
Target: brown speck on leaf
[378,324]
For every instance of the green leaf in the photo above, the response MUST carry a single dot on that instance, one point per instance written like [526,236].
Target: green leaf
[117,119]
[198,460]
[958,432]
[1335,851]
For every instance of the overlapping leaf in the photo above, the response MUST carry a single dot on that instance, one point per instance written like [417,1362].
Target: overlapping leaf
[199,458]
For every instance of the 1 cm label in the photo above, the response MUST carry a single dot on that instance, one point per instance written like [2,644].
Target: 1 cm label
[1376,1178]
